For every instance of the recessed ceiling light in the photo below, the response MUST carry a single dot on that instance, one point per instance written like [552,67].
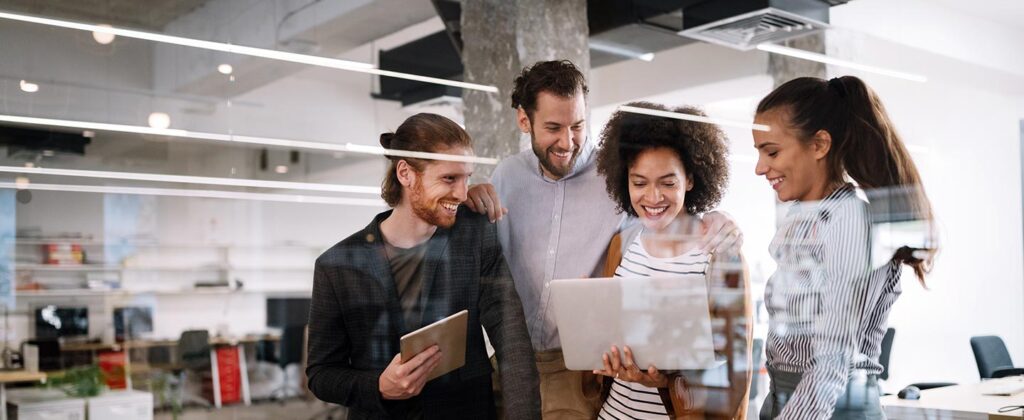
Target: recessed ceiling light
[225,69]
[159,120]
[281,169]
[101,36]
[29,87]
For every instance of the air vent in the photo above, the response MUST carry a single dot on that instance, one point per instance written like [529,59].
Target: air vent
[745,31]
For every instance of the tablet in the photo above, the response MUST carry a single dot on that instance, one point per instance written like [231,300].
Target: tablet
[450,336]
[664,320]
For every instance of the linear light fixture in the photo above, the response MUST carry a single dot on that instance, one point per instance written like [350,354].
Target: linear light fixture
[172,192]
[615,49]
[187,179]
[232,138]
[696,118]
[243,50]
[822,58]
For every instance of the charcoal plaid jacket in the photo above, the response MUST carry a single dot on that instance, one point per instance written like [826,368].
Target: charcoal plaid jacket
[355,323]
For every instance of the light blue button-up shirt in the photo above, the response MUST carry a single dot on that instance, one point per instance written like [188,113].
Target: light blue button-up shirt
[554,230]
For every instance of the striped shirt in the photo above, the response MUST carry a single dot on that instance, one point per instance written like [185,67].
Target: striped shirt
[628,400]
[827,307]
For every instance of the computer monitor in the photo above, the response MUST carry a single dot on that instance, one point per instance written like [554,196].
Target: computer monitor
[286,312]
[132,321]
[54,321]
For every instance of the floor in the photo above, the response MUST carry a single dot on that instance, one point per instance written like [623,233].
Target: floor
[293,409]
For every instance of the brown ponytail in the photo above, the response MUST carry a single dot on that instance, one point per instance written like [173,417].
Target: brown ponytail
[422,132]
[865,145]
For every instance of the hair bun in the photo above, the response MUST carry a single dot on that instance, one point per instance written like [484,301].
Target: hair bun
[386,139]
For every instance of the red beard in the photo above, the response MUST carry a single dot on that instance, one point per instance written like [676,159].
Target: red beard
[428,210]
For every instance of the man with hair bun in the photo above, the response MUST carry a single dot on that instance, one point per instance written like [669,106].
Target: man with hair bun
[425,259]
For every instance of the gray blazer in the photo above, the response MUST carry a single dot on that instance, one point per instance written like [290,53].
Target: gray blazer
[355,322]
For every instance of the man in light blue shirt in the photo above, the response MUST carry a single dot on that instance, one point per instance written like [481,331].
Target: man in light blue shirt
[560,218]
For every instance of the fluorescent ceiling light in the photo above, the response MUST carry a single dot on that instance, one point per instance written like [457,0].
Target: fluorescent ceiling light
[170,192]
[231,138]
[187,179]
[696,118]
[822,58]
[622,51]
[243,50]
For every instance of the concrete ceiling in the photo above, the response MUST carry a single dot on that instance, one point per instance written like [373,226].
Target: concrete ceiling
[150,15]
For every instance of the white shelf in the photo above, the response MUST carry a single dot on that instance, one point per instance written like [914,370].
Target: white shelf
[67,268]
[186,292]
[92,242]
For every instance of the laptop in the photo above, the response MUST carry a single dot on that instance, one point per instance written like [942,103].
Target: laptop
[664,320]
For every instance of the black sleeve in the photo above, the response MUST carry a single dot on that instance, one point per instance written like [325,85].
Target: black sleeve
[501,314]
[331,375]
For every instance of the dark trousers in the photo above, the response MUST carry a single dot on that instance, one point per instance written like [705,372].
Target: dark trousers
[859,401]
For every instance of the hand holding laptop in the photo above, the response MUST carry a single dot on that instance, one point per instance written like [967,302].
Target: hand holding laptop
[625,368]
[405,380]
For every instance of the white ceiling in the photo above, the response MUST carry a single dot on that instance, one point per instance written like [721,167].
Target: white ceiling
[1006,12]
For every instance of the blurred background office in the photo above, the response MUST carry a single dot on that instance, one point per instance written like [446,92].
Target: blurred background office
[169,170]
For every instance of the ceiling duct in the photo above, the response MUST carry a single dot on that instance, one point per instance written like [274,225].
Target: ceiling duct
[742,24]
[434,55]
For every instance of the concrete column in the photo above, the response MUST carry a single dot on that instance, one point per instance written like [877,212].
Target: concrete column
[783,68]
[501,37]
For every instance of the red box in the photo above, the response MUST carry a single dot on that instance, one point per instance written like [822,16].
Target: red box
[112,366]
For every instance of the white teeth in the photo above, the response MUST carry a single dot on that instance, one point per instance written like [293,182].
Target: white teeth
[450,206]
[654,211]
[775,181]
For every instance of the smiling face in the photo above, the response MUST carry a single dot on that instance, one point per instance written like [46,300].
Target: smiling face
[435,193]
[657,187]
[557,131]
[795,169]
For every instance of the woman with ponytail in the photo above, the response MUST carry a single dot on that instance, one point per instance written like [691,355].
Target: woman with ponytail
[829,144]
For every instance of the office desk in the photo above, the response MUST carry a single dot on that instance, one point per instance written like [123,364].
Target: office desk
[12,376]
[219,341]
[956,402]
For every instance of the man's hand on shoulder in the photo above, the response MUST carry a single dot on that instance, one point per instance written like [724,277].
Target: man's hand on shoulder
[483,199]
[402,381]
[720,233]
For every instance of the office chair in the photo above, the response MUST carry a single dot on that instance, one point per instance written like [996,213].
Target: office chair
[193,356]
[290,352]
[50,357]
[883,357]
[992,358]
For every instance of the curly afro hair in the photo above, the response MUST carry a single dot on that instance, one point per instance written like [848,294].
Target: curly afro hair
[700,146]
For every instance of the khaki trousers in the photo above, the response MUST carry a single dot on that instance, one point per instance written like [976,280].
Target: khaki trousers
[566,394]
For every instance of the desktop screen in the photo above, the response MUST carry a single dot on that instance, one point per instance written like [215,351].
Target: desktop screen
[132,321]
[61,322]
[285,312]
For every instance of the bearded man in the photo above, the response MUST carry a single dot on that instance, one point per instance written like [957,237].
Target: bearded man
[422,261]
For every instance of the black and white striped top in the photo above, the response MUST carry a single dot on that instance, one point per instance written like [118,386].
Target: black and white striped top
[628,400]
[827,306]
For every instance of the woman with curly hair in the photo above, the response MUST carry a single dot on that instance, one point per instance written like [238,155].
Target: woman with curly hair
[668,172]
